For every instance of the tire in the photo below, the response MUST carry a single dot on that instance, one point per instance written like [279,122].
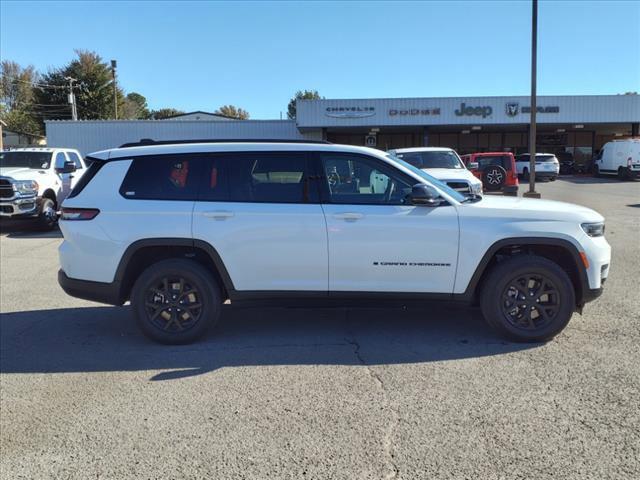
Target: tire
[176,301]
[494,178]
[623,173]
[596,171]
[48,217]
[510,312]
[525,173]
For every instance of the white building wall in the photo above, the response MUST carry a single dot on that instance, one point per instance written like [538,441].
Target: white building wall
[93,135]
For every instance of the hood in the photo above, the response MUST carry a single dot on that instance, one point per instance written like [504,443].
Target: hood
[533,209]
[21,173]
[452,174]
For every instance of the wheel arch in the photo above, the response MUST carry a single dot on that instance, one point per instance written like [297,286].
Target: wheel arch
[145,252]
[559,250]
[50,194]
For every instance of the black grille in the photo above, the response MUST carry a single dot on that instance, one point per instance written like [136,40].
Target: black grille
[6,209]
[6,189]
[462,187]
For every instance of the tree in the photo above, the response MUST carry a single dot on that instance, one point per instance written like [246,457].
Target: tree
[93,92]
[17,107]
[233,112]
[165,113]
[301,95]
[135,107]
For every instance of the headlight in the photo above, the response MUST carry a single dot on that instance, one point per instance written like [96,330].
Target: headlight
[28,187]
[593,229]
[476,188]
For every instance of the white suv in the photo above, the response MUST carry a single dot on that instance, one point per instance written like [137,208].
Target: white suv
[35,181]
[547,166]
[179,228]
[443,164]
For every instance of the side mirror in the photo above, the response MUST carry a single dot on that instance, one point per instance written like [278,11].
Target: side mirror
[473,165]
[422,194]
[68,167]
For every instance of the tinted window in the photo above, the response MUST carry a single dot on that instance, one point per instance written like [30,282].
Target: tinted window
[167,177]
[351,179]
[503,161]
[75,159]
[433,159]
[261,177]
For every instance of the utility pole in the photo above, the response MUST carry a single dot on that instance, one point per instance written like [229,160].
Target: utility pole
[534,107]
[72,98]
[114,64]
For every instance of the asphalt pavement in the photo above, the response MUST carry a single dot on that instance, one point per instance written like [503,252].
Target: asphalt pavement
[419,393]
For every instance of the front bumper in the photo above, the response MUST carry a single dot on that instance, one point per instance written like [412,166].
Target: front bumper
[20,207]
[100,292]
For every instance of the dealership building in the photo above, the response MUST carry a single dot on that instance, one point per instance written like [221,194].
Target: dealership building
[578,125]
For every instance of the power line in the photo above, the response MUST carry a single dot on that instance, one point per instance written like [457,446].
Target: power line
[35,84]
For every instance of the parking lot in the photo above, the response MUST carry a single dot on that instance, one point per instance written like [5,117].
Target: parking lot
[328,393]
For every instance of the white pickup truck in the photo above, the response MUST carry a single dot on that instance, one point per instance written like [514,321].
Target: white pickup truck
[35,181]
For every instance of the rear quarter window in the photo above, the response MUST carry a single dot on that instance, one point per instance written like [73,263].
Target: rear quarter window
[167,177]
[503,161]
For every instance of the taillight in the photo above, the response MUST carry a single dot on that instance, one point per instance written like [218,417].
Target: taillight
[79,213]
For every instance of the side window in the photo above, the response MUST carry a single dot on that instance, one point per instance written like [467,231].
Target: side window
[353,179]
[260,177]
[166,177]
[73,156]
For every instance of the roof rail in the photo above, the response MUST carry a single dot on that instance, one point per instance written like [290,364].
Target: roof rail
[148,141]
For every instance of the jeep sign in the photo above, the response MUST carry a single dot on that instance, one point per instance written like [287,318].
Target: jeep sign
[483,112]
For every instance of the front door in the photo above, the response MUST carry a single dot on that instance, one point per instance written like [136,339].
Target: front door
[378,241]
[261,212]
[65,178]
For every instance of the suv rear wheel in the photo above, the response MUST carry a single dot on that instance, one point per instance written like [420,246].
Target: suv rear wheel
[528,298]
[176,301]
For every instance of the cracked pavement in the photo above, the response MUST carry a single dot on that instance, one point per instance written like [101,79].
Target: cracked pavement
[418,393]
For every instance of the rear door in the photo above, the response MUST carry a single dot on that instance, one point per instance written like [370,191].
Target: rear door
[261,212]
[378,242]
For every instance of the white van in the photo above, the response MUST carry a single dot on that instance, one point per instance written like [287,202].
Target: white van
[619,157]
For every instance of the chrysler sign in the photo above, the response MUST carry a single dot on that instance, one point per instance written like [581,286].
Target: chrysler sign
[350,112]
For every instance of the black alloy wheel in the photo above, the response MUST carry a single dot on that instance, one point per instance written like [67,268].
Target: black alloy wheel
[527,298]
[494,177]
[530,301]
[176,301]
[173,304]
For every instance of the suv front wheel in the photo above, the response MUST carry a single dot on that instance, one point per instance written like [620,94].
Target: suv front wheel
[528,298]
[176,301]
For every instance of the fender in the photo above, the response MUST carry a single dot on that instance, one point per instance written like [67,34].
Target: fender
[134,247]
[469,293]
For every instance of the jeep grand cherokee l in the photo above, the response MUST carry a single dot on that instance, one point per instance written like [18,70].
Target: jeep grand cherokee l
[176,229]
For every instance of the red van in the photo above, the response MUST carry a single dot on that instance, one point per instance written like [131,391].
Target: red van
[497,170]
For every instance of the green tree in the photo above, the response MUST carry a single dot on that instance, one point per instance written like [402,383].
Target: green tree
[233,112]
[301,95]
[17,107]
[93,89]
[165,113]
[135,107]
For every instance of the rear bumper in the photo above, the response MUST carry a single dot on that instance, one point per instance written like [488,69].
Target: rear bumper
[100,292]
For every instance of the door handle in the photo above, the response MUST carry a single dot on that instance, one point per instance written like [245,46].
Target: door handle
[218,214]
[349,216]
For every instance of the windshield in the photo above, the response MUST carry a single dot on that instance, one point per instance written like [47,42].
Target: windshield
[35,160]
[432,180]
[433,159]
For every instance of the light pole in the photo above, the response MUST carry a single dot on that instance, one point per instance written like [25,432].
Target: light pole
[534,107]
[114,64]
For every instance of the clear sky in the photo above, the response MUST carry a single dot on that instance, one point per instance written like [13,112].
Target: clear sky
[200,55]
